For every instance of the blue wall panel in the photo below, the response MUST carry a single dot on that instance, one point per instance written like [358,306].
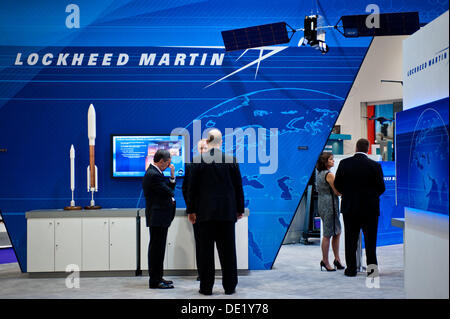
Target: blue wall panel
[43,109]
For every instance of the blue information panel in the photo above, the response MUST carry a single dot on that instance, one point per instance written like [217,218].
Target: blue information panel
[422,147]
[133,154]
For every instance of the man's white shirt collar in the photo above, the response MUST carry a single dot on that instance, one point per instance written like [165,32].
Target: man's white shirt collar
[156,167]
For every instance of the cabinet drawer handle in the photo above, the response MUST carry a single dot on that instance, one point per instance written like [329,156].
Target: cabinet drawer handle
[50,223]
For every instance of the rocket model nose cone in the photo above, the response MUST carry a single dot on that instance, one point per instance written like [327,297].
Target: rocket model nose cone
[72,152]
[91,123]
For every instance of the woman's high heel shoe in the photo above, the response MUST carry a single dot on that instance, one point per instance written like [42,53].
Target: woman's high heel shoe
[322,264]
[338,265]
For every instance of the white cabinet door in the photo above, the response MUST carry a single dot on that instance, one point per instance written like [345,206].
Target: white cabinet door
[67,243]
[40,245]
[180,251]
[122,241]
[95,244]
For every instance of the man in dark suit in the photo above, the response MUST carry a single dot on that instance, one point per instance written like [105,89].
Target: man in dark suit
[159,213]
[202,147]
[215,202]
[360,181]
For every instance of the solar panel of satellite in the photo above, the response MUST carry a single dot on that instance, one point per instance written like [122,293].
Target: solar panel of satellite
[257,36]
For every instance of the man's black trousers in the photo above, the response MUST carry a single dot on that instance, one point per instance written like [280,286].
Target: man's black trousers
[353,225]
[223,234]
[156,251]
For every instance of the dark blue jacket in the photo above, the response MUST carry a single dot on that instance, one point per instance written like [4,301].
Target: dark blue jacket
[158,192]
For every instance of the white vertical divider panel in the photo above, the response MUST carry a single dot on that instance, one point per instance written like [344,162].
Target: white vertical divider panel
[242,243]
[145,240]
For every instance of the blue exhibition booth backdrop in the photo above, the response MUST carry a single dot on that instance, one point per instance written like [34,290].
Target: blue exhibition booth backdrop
[148,66]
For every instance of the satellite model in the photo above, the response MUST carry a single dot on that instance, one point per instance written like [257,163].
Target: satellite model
[314,29]
[314,35]
[266,37]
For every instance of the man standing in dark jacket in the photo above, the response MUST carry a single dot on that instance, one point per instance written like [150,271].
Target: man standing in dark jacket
[361,183]
[215,202]
[159,213]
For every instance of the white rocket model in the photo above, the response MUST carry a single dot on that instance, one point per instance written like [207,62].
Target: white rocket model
[72,173]
[72,179]
[92,177]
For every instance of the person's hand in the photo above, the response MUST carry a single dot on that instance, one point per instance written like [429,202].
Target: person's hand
[239,216]
[172,170]
[192,218]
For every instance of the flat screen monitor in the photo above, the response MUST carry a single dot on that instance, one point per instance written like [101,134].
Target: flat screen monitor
[132,154]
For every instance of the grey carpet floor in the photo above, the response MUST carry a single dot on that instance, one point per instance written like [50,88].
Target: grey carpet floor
[295,275]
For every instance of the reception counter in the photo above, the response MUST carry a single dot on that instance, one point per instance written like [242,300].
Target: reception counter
[112,240]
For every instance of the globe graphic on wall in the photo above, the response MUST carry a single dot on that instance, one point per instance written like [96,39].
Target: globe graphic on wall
[298,122]
[428,166]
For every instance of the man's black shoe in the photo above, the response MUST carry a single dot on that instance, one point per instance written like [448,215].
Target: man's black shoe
[229,292]
[169,282]
[206,293]
[350,273]
[161,285]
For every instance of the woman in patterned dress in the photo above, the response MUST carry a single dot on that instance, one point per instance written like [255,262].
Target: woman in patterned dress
[328,209]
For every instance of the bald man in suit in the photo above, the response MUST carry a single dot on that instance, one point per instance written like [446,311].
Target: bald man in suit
[360,181]
[215,202]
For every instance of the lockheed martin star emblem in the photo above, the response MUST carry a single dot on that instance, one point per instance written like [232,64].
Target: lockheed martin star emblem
[273,51]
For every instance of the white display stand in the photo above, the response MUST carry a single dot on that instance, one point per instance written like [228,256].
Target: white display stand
[112,240]
[180,249]
[426,254]
[101,240]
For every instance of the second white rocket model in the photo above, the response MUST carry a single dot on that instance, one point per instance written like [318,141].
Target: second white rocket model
[92,176]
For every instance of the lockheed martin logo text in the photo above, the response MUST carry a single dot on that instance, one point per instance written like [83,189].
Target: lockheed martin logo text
[120,59]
